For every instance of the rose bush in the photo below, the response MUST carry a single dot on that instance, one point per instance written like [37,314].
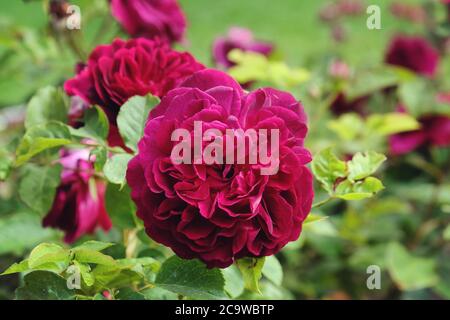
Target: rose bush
[221,213]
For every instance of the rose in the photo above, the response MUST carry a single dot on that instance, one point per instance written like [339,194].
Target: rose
[79,204]
[238,38]
[434,131]
[114,73]
[220,213]
[413,53]
[151,18]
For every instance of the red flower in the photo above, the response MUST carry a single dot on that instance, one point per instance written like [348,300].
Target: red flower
[79,206]
[435,131]
[413,53]
[114,73]
[151,18]
[222,212]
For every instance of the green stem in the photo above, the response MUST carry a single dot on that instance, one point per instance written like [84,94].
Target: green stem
[321,203]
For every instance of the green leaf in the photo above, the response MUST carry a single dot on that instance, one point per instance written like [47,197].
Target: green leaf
[115,168]
[347,190]
[446,233]
[101,155]
[22,231]
[251,269]
[272,270]
[84,255]
[311,218]
[191,278]
[17,268]
[410,272]
[327,168]
[96,125]
[85,272]
[132,118]
[95,245]
[234,282]
[44,285]
[372,80]
[40,138]
[364,165]
[6,163]
[347,126]
[121,209]
[48,253]
[38,185]
[48,104]
[391,123]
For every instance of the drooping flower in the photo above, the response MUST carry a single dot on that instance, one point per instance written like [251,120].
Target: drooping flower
[434,131]
[79,205]
[238,38]
[114,73]
[151,18]
[413,53]
[222,212]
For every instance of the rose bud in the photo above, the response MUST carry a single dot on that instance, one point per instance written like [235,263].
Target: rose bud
[413,53]
[222,212]
[238,38]
[79,205]
[114,73]
[151,18]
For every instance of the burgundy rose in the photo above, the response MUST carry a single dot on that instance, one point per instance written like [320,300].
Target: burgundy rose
[79,205]
[238,38]
[413,53]
[114,73]
[434,131]
[222,212]
[151,18]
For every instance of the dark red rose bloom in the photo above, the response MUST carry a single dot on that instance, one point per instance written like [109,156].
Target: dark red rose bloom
[114,73]
[151,18]
[79,206]
[413,53]
[222,212]
[238,38]
[434,131]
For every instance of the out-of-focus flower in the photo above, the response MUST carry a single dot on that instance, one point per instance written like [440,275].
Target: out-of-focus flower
[410,12]
[413,53]
[238,38]
[79,204]
[151,18]
[222,212]
[114,73]
[339,69]
[342,105]
[434,131]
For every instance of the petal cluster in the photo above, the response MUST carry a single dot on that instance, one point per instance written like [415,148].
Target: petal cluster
[222,212]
